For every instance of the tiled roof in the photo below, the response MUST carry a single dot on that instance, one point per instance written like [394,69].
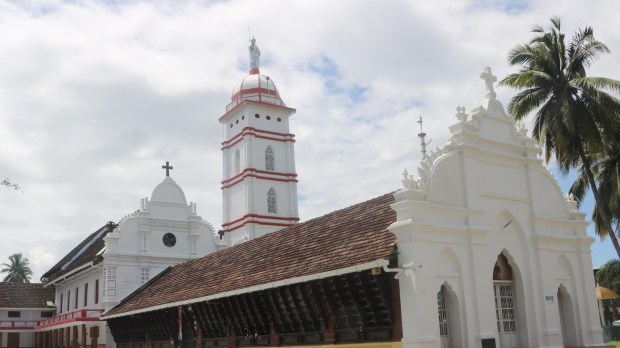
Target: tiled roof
[25,295]
[344,238]
[83,253]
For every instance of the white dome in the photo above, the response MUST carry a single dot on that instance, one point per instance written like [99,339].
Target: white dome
[168,191]
[255,87]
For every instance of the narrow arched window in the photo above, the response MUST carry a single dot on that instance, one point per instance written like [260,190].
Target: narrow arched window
[272,206]
[269,160]
[237,161]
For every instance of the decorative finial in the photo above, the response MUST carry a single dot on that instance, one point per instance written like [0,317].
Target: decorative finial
[521,130]
[422,136]
[460,113]
[167,167]
[254,56]
[488,78]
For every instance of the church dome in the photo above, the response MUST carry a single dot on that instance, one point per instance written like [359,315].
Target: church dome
[168,191]
[255,87]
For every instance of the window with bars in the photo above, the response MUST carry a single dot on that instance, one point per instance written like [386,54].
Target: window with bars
[272,201]
[144,275]
[269,159]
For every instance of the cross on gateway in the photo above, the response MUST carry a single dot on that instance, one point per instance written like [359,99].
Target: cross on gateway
[167,167]
[488,78]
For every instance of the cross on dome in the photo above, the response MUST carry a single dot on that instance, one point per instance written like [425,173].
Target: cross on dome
[167,167]
[488,78]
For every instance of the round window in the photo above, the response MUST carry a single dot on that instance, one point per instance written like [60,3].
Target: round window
[169,240]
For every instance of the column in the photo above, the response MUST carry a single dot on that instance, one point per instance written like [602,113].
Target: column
[61,338]
[74,338]
[83,338]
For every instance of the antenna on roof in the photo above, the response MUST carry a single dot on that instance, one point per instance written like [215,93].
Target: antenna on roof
[422,136]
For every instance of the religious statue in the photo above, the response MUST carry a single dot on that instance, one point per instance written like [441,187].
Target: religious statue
[254,54]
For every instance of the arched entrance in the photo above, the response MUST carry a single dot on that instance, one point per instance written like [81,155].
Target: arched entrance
[444,325]
[567,318]
[505,303]
[449,318]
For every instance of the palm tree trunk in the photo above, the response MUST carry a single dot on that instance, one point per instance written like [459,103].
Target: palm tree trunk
[599,201]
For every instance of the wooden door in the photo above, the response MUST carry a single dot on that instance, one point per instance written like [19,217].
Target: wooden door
[12,340]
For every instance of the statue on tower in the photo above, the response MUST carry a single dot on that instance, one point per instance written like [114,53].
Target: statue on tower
[254,54]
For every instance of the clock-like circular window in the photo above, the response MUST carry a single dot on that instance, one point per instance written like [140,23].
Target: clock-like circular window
[169,240]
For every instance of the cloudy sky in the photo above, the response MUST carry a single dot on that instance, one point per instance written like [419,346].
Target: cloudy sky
[96,95]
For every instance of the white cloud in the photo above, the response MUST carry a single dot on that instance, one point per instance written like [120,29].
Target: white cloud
[96,95]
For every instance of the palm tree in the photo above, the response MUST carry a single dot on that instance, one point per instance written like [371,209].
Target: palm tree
[606,170]
[574,117]
[18,270]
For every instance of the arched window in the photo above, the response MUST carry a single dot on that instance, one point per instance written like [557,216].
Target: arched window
[272,206]
[269,159]
[237,161]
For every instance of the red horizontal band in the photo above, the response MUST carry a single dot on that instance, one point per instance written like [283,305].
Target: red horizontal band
[257,177]
[258,223]
[252,130]
[271,106]
[250,169]
[251,215]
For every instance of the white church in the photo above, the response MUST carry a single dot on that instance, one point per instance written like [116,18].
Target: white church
[480,249]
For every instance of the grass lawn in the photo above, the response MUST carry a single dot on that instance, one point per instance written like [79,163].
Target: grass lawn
[613,343]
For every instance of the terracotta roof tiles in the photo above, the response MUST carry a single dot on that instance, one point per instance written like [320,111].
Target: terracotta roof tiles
[348,237]
[25,295]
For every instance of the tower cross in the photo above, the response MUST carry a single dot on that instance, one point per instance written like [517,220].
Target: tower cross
[167,167]
[488,78]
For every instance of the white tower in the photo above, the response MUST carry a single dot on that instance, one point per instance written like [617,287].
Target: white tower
[260,184]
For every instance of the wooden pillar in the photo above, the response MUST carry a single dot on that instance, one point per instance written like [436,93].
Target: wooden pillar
[232,338]
[61,338]
[68,337]
[94,335]
[197,338]
[329,337]
[54,338]
[74,337]
[397,318]
[45,339]
[274,338]
[149,341]
[83,338]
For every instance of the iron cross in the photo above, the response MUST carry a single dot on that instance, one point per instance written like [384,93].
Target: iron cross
[167,167]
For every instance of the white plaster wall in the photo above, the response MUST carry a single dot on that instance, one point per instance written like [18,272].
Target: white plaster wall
[137,243]
[484,193]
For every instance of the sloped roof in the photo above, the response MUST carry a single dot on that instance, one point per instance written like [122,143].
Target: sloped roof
[344,238]
[83,253]
[25,295]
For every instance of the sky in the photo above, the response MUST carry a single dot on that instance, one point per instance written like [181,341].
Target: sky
[96,95]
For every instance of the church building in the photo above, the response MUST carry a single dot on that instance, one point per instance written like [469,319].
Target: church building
[111,263]
[479,249]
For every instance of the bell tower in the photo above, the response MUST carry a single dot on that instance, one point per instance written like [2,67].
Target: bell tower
[259,185]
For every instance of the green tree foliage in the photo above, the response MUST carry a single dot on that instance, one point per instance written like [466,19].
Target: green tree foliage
[18,270]
[609,275]
[606,169]
[575,116]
